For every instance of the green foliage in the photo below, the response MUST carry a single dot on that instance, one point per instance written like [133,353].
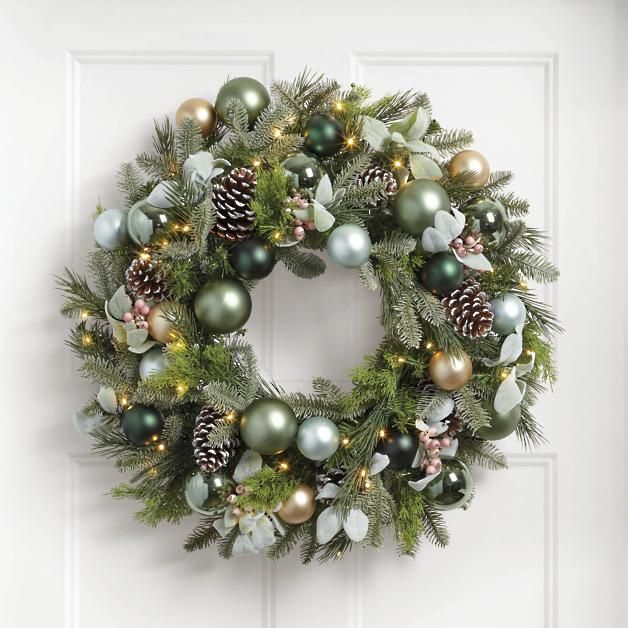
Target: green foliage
[266,489]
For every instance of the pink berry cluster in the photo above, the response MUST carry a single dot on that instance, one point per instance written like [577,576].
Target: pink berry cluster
[432,444]
[468,245]
[297,201]
[239,490]
[138,315]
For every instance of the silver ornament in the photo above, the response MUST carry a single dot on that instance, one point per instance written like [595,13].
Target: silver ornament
[349,246]
[110,229]
[508,312]
[153,361]
[318,438]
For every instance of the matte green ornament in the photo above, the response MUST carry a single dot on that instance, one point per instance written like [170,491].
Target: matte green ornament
[253,258]
[452,487]
[442,273]
[502,425]
[323,135]
[251,93]
[304,170]
[144,220]
[417,203]
[399,447]
[207,495]
[268,426]
[486,217]
[142,424]
[223,305]
[509,312]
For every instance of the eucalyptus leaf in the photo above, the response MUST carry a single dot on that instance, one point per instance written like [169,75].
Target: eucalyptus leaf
[510,350]
[433,241]
[413,126]
[243,546]
[477,261]
[356,525]
[375,133]
[119,333]
[324,193]
[419,146]
[250,462]
[423,167]
[220,527]
[323,219]
[86,423]
[329,491]
[524,369]
[144,347]
[419,485]
[328,525]
[378,463]
[448,225]
[106,397]
[508,394]
[159,196]
[451,450]
[442,411]
[119,304]
[263,534]
[136,337]
[397,138]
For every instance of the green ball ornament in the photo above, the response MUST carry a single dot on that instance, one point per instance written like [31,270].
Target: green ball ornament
[153,361]
[144,220]
[349,246]
[442,273]
[251,93]
[223,305]
[318,438]
[486,217]
[323,135]
[253,258]
[268,426]
[508,313]
[417,204]
[110,229]
[304,170]
[452,487]
[399,447]
[142,424]
[208,495]
[502,424]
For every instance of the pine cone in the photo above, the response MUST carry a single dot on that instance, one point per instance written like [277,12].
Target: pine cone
[454,424]
[467,308]
[145,280]
[231,198]
[373,173]
[323,477]
[210,459]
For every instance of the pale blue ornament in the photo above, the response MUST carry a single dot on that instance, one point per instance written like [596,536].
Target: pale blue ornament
[110,229]
[318,438]
[349,246]
[153,361]
[508,313]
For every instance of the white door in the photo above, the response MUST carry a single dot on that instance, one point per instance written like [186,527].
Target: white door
[537,83]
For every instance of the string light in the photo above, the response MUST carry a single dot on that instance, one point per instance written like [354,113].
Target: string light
[397,163]
[124,402]
[382,433]
[401,360]
[181,388]
[161,447]
[529,352]
[504,373]
[277,235]
[86,340]
[350,141]
[277,133]
[164,243]
[339,105]
[363,473]
[345,442]
[230,417]
[523,285]
[84,314]
[284,466]
[429,345]
[144,256]
[154,438]
[257,163]
[185,228]
[367,484]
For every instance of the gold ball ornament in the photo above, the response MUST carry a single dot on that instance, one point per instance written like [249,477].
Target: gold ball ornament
[158,325]
[299,507]
[473,164]
[200,110]
[449,372]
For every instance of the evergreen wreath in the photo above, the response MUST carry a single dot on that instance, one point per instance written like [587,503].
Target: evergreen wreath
[264,177]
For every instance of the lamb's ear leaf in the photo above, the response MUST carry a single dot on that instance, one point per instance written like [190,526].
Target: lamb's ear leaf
[422,167]
[375,133]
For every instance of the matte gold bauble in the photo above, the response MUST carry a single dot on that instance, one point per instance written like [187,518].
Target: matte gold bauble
[299,507]
[200,110]
[158,326]
[449,372]
[472,164]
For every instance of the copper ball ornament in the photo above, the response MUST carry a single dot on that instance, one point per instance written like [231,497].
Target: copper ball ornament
[450,372]
[299,507]
[473,165]
[199,110]
[159,326]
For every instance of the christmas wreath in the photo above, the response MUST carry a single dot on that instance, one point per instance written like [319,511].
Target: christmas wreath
[263,177]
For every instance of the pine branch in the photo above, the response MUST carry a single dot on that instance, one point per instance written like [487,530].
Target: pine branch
[286,543]
[300,263]
[480,452]
[188,139]
[130,184]
[80,299]
[450,142]
[470,408]
[202,536]
[434,526]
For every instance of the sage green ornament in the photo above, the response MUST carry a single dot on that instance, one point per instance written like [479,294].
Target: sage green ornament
[142,425]
[304,170]
[144,220]
[253,258]
[223,305]
[318,438]
[153,361]
[251,93]
[349,246]
[486,217]
[442,273]
[110,230]
[508,313]
[323,135]
[207,495]
[502,424]
[417,203]
[452,487]
[268,426]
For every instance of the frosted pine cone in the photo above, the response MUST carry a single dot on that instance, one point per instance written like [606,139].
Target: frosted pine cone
[145,280]
[467,308]
[231,199]
[208,458]
[374,173]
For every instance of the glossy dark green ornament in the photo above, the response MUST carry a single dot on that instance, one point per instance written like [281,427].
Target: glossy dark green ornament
[442,273]
[452,487]
[304,170]
[486,217]
[251,93]
[143,220]
[323,135]
[268,426]
[253,258]
[223,305]
[142,424]
[399,447]
[417,203]
[207,495]
[502,424]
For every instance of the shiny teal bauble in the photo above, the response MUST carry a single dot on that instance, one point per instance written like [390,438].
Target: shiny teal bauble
[153,361]
[207,495]
[318,438]
[417,203]
[502,424]
[323,135]
[400,448]
[144,220]
[486,217]
[251,93]
[304,170]
[268,426]
[110,230]
[253,258]
[349,246]
[508,312]
[452,487]
[223,305]
[442,273]
[142,424]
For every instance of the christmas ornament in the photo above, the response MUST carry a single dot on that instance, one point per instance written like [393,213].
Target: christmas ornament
[453,486]
[304,170]
[144,220]
[349,246]
[207,495]
[486,217]
[299,507]
[110,230]
[318,438]
[251,93]
[442,273]
[450,372]
[142,424]
[199,110]
[146,280]
[223,305]
[209,458]
[252,258]
[153,361]
[231,199]
[374,173]
[399,447]
[508,312]
[323,135]
[417,203]
[159,326]
[268,426]
[502,424]
[473,165]
[467,308]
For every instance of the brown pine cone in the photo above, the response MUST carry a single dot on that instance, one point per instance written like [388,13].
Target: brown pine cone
[468,309]
[145,280]
[373,173]
[454,424]
[231,198]
[210,459]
